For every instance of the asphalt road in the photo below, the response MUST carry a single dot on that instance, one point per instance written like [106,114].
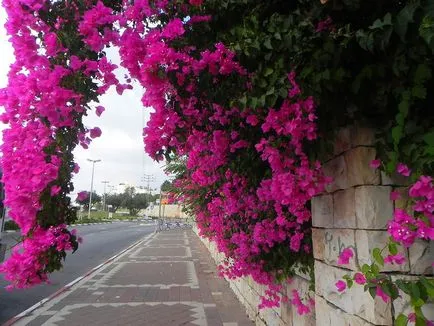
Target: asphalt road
[100,242]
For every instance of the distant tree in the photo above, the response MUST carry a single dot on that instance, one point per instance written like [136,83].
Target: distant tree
[166,186]
[134,202]
[115,200]
[84,199]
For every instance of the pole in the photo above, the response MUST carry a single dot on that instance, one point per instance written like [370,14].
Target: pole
[103,197]
[91,185]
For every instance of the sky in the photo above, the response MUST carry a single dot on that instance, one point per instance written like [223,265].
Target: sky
[120,148]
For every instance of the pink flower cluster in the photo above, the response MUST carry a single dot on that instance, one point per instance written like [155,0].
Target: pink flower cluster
[38,108]
[405,228]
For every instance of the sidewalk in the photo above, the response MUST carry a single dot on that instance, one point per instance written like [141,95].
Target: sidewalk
[167,279]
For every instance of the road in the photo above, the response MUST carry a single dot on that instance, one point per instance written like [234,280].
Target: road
[100,242]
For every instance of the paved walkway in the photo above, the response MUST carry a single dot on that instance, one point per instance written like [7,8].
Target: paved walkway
[167,279]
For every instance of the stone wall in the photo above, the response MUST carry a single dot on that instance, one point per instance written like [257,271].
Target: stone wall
[353,213]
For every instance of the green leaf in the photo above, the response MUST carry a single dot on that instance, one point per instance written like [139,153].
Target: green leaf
[376,253]
[404,17]
[429,138]
[419,91]
[393,248]
[268,71]
[366,269]
[414,292]
[373,292]
[267,44]
[401,320]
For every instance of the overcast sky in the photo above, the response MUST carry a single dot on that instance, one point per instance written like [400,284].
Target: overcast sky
[120,148]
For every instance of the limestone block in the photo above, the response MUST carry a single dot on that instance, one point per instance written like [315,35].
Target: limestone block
[344,209]
[353,301]
[366,241]
[421,257]
[362,136]
[318,243]
[335,241]
[327,315]
[271,317]
[359,172]
[394,180]
[342,141]
[337,169]
[322,211]
[373,207]
[402,304]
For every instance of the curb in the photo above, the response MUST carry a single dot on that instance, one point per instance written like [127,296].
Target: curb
[78,224]
[68,286]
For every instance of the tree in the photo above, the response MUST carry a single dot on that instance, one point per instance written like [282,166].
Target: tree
[84,200]
[115,200]
[134,202]
[166,186]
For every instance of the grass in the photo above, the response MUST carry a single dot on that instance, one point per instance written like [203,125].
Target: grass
[101,216]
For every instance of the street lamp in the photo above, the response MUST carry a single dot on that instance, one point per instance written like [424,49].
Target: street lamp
[91,185]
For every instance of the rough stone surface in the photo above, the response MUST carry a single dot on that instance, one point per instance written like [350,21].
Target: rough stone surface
[344,210]
[335,241]
[342,141]
[394,180]
[362,136]
[421,257]
[373,207]
[337,169]
[353,301]
[318,243]
[366,241]
[358,170]
[328,315]
[322,211]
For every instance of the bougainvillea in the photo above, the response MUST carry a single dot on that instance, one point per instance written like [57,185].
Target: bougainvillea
[246,96]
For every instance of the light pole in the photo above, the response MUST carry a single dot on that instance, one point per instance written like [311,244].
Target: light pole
[103,197]
[91,184]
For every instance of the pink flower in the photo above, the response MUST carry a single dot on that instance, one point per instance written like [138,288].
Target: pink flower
[403,169]
[95,132]
[55,190]
[341,285]
[395,195]
[375,164]
[196,2]
[382,295]
[99,110]
[344,257]
[82,195]
[252,120]
[395,259]
[359,278]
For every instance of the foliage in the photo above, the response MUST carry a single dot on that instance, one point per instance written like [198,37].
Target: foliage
[133,201]
[85,199]
[11,225]
[115,200]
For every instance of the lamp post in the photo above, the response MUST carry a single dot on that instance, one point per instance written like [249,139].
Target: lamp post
[91,184]
[103,197]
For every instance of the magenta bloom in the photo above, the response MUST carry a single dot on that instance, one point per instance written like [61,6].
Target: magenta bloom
[341,285]
[395,195]
[99,110]
[82,195]
[382,295]
[375,164]
[403,169]
[359,278]
[344,257]
[395,259]
[95,132]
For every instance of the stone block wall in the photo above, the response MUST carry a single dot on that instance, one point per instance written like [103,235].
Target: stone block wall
[353,212]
